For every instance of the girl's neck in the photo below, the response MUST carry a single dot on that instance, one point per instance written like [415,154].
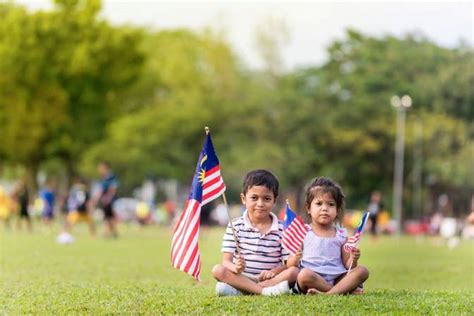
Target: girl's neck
[328,230]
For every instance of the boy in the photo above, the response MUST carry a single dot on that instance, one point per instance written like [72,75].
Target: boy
[255,264]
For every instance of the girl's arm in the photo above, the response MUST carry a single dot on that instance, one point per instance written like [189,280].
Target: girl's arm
[294,261]
[346,258]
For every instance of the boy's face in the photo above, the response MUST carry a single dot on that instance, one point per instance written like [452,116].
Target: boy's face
[259,201]
[323,209]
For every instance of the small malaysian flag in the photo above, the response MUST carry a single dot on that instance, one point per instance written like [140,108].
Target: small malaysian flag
[353,241]
[294,231]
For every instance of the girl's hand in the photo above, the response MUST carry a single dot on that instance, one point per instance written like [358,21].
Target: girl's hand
[294,260]
[298,255]
[265,275]
[355,253]
[239,264]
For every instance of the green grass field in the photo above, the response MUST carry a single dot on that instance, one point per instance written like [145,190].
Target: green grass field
[132,275]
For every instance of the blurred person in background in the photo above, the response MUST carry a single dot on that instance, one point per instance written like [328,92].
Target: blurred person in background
[375,207]
[79,206]
[6,207]
[47,195]
[108,195]
[468,230]
[21,196]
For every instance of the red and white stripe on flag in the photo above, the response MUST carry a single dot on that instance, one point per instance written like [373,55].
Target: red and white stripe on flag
[294,234]
[185,254]
[352,242]
[184,246]
[213,185]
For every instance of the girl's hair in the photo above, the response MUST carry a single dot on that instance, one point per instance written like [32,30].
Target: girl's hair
[322,185]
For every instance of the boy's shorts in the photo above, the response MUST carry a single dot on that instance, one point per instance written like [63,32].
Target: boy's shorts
[253,277]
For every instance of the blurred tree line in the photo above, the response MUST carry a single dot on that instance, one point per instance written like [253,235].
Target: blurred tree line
[75,89]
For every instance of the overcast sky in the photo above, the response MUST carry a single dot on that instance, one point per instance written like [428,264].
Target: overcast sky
[311,25]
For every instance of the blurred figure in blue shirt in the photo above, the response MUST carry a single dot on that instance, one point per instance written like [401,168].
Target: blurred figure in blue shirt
[47,195]
[108,195]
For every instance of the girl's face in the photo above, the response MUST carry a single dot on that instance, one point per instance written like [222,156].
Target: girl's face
[259,201]
[323,209]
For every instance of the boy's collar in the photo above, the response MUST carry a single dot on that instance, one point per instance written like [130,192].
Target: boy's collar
[248,223]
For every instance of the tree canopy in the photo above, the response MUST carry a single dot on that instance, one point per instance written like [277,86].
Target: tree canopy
[77,89]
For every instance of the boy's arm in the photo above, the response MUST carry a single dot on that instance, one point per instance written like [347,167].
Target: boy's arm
[269,274]
[279,269]
[291,261]
[227,262]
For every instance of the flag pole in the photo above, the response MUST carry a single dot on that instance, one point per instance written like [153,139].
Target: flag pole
[227,209]
[231,224]
[350,265]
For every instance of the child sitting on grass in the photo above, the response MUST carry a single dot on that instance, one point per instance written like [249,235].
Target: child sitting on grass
[324,262]
[258,268]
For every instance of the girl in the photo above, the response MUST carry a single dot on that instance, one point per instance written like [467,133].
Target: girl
[324,262]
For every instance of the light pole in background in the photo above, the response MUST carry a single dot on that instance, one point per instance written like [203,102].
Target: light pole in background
[401,104]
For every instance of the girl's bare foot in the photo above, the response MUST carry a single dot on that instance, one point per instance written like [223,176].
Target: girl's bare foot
[313,292]
[358,291]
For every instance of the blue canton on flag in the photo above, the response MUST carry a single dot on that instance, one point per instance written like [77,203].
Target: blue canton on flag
[294,231]
[353,241]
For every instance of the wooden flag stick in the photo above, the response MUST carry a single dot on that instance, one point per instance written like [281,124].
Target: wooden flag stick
[227,209]
[350,265]
[231,224]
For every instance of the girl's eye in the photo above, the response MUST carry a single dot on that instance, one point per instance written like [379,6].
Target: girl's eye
[332,204]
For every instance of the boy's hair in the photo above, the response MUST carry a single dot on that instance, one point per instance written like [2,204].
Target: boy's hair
[321,185]
[261,177]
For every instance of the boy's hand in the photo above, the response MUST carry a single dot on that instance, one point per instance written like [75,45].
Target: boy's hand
[265,275]
[239,264]
[355,253]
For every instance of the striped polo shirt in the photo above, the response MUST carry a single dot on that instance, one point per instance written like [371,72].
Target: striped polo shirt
[261,252]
